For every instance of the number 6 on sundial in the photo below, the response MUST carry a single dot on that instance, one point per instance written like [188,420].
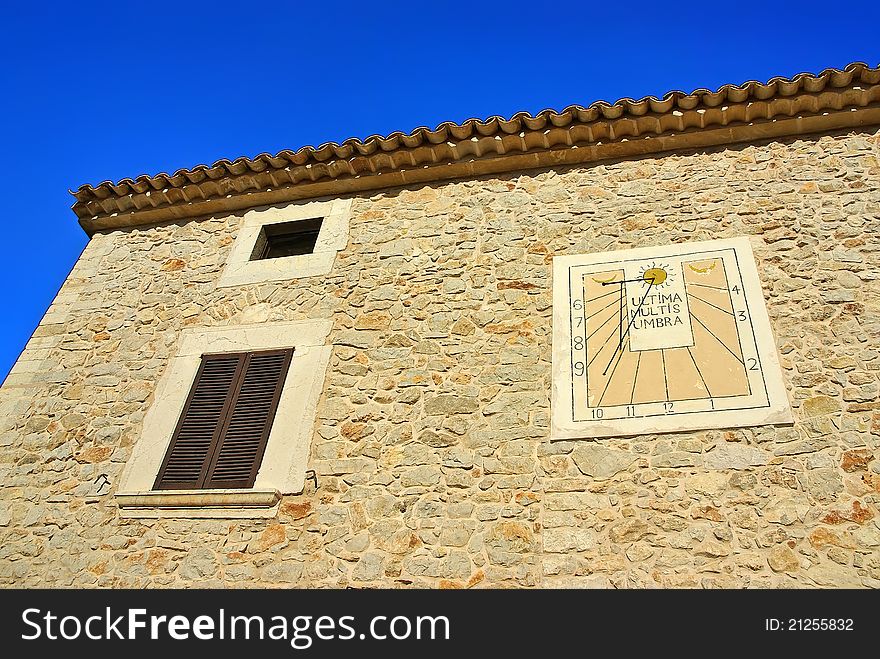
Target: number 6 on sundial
[662,339]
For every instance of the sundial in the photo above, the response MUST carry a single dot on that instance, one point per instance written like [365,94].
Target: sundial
[663,339]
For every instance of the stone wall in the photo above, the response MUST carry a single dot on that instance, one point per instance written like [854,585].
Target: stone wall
[431,447]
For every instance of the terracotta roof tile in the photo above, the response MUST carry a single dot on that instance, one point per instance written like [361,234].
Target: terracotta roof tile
[183,193]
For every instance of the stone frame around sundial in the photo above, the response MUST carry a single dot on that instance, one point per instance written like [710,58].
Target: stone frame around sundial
[663,339]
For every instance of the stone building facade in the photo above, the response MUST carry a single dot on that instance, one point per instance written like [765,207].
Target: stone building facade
[426,461]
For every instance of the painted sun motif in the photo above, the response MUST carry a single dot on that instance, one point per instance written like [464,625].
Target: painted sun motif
[658,275]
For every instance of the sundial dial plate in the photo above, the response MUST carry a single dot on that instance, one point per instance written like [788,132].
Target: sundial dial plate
[663,339]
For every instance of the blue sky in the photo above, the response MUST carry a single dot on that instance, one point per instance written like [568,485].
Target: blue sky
[96,91]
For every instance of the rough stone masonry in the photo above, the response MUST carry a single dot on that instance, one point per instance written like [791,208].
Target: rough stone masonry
[431,446]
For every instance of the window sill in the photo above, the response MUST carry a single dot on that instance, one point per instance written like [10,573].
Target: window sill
[285,268]
[237,504]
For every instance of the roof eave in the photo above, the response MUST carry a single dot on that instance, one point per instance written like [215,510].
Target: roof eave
[806,104]
[336,187]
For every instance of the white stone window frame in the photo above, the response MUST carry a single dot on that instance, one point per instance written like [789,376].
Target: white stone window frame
[283,467]
[332,237]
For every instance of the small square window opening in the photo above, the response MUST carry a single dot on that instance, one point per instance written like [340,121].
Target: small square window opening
[287,239]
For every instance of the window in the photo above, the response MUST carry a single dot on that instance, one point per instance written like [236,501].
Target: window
[287,239]
[230,426]
[286,242]
[221,435]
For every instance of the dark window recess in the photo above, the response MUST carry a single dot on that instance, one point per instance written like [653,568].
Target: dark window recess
[287,239]
[221,436]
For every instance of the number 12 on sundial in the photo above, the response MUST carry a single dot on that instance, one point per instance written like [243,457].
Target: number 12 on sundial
[662,339]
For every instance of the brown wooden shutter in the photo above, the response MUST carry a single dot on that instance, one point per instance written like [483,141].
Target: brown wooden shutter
[199,426]
[221,435]
[237,459]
